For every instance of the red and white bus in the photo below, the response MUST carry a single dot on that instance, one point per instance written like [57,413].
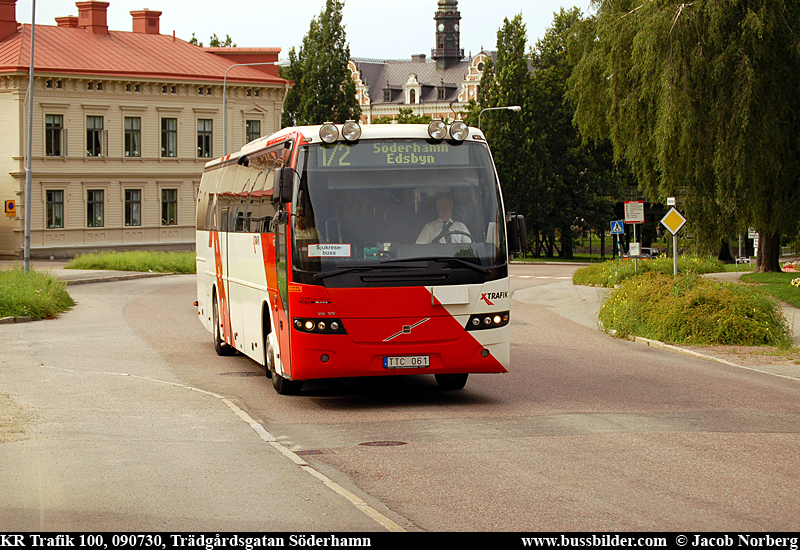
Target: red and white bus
[337,252]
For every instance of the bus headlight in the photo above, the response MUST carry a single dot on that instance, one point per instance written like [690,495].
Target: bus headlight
[437,129]
[351,131]
[485,321]
[459,130]
[328,133]
[319,326]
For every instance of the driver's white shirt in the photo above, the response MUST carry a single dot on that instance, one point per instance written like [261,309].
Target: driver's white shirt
[432,229]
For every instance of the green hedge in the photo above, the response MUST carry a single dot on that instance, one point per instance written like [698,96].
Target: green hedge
[691,309]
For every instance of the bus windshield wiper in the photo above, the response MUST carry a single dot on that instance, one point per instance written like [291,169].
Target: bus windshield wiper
[343,270]
[461,261]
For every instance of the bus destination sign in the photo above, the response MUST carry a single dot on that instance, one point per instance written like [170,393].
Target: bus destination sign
[391,154]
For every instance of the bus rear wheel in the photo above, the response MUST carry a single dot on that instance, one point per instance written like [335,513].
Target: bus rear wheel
[451,381]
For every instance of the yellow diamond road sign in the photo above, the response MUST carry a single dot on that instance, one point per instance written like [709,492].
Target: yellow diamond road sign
[673,220]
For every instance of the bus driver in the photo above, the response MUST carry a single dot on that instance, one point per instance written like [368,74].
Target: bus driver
[437,230]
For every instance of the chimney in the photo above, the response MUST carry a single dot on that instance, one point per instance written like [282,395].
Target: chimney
[146,21]
[8,18]
[70,21]
[92,16]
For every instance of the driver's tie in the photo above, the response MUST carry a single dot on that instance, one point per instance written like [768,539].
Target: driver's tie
[446,229]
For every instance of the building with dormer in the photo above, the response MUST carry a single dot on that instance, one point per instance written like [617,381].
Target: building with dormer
[439,86]
[123,124]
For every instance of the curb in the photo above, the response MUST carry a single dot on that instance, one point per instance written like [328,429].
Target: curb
[11,320]
[113,278]
[675,349]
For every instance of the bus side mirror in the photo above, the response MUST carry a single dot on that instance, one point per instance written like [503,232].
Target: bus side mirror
[285,184]
[517,234]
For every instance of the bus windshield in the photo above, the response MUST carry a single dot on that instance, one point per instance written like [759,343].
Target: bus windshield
[397,212]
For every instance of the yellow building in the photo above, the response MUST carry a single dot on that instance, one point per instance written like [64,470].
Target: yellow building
[123,123]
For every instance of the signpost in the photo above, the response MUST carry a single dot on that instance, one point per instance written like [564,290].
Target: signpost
[634,213]
[617,229]
[673,221]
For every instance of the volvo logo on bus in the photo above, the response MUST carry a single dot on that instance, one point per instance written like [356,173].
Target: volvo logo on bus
[406,329]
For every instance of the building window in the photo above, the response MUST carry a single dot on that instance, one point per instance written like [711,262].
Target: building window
[133,136]
[387,95]
[133,207]
[169,207]
[412,96]
[94,208]
[169,137]
[442,92]
[252,130]
[204,127]
[53,134]
[55,209]
[94,136]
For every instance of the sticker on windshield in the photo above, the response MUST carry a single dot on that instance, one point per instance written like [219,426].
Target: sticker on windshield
[329,250]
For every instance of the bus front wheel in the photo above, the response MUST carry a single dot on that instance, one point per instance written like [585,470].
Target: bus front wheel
[282,385]
[451,381]
[219,345]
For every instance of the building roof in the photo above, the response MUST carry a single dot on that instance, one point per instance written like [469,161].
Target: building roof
[66,50]
[376,74]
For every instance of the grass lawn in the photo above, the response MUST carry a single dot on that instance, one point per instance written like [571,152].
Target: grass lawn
[778,285]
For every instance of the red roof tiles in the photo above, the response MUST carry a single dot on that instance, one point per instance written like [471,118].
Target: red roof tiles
[66,50]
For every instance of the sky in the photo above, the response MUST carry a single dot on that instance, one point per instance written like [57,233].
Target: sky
[381,29]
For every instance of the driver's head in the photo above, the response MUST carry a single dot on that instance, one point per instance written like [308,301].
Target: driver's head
[444,206]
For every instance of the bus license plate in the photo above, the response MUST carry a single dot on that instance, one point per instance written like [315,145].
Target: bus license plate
[406,362]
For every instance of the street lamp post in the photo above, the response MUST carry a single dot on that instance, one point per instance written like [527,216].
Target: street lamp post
[225,103]
[26,253]
[515,108]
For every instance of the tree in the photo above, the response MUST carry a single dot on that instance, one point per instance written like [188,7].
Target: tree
[504,83]
[214,42]
[580,183]
[702,97]
[405,116]
[323,87]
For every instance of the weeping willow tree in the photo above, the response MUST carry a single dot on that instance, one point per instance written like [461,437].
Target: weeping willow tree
[701,96]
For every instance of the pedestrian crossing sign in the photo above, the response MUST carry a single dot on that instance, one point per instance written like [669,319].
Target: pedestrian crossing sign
[617,228]
[11,209]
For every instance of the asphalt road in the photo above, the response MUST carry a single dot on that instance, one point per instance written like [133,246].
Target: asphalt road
[584,433]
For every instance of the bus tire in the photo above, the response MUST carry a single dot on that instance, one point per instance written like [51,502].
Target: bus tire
[451,381]
[282,385]
[222,348]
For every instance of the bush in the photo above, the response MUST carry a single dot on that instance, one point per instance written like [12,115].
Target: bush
[613,272]
[37,294]
[690,309]
[137,260]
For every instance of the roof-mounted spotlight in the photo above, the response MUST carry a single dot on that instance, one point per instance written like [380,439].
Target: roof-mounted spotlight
[459,130]
[351,131]
[328,133]
[437,129]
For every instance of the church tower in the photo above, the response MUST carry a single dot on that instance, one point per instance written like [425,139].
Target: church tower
[448,50]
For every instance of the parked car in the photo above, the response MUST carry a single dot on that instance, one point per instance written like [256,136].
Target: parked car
[646,254]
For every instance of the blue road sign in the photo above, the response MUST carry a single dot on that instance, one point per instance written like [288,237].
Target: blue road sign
[617,228]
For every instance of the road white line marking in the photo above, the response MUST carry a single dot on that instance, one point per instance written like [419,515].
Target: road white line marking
[269,438]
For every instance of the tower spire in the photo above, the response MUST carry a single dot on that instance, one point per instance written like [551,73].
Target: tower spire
[448,49]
